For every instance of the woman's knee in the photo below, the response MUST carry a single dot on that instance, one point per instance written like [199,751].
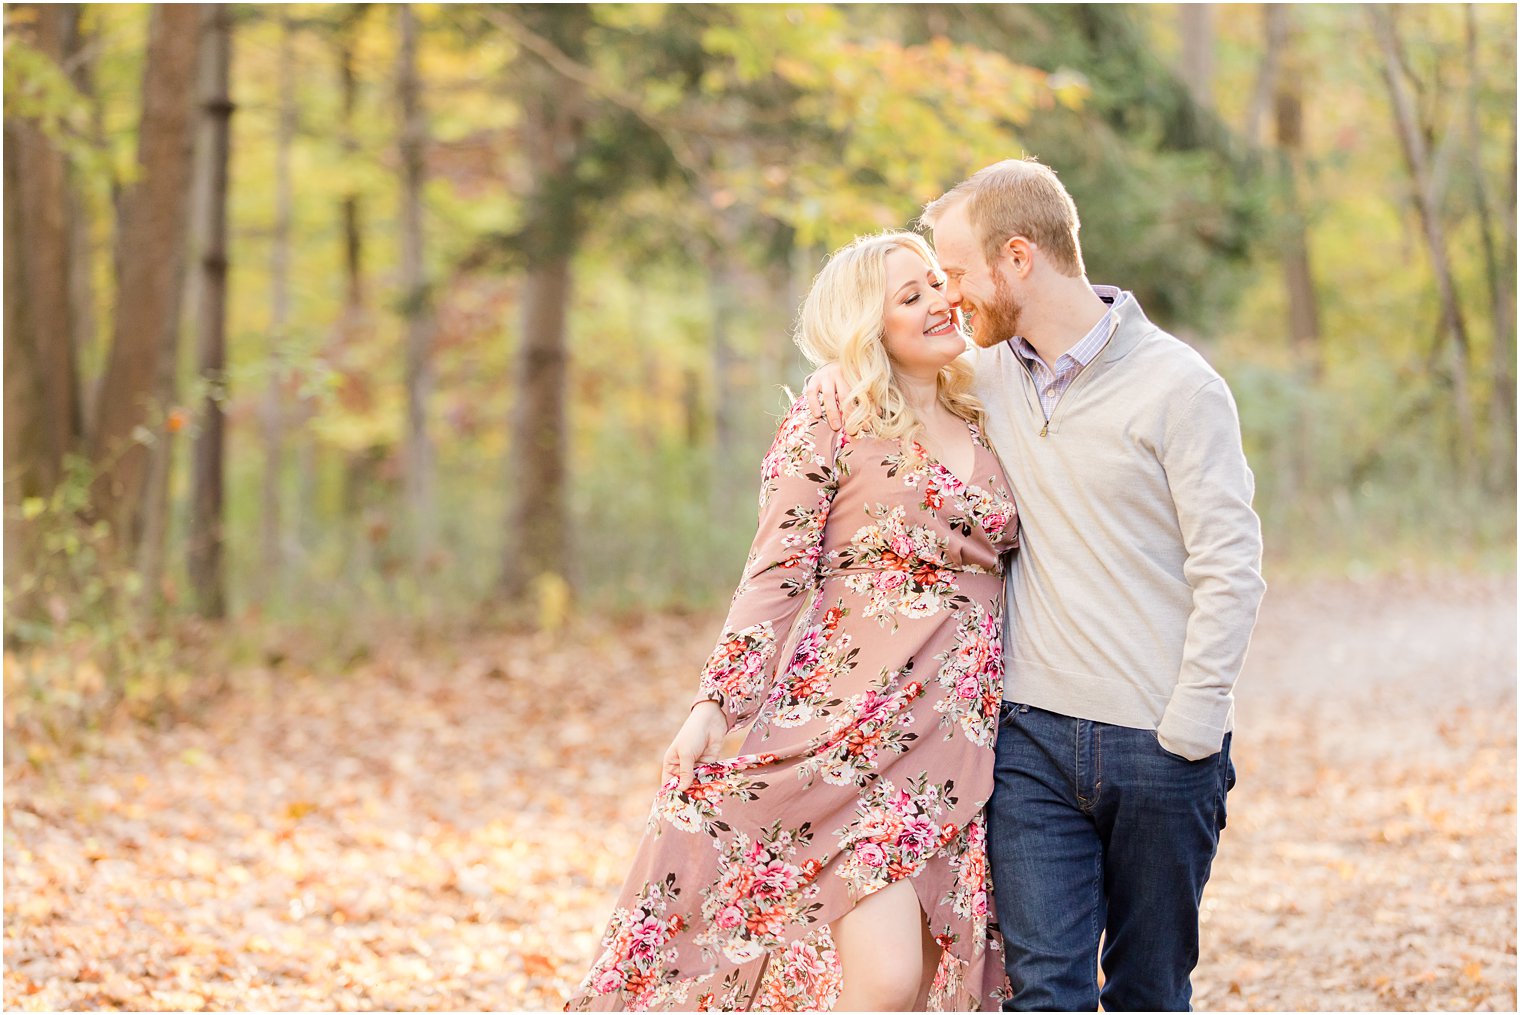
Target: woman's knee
[891,984]
[881,952]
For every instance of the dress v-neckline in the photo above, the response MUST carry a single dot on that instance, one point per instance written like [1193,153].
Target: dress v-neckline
[935,460]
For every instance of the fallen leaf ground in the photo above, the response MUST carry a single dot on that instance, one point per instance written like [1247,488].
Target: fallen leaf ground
[445,826]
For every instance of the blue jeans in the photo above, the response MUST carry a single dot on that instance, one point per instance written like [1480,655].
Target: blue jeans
[1097,830]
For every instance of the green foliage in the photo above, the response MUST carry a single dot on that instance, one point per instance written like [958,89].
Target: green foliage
[745,141]
[77,613]
[1172,208]
[38,90]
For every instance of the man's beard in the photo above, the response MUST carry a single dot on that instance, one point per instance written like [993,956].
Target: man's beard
[997,321]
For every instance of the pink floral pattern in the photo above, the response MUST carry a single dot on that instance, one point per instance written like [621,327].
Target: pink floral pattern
[804,693]
[868,758]
[903,570]
[971,672]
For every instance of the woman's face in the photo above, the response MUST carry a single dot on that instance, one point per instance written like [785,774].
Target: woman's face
[921,330]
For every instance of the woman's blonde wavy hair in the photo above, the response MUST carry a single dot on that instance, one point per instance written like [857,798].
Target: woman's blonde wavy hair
[841,322]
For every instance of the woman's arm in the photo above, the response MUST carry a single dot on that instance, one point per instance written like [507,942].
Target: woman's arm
[801,474]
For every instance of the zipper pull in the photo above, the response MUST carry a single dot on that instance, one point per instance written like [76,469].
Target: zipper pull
[1045,430]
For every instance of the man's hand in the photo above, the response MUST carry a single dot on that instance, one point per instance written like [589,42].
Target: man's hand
[825,392]
[696,743]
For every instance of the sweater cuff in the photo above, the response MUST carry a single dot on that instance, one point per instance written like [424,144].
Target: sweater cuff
[1192,738]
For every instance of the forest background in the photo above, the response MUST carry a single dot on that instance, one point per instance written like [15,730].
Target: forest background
[328,323]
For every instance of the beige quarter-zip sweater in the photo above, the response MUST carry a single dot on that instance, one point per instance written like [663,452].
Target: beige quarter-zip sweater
[1133,595]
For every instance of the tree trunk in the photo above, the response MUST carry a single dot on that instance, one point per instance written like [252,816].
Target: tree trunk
[80,60]
[537,547]
[149,260]
[1502,416]
[352,322]
[1198,52]
[1275,31]
[271,534]
[1303,302]
[538,543]
[155,502]
[723,302]
[416,300]
[152,549]
[207,574]
[1499,274]
[42,413]
[781,300]
[1417,160]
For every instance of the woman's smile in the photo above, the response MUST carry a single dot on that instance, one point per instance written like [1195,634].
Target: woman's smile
[946,326]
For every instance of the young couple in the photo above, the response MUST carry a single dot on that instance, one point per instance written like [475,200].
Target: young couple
[939,681]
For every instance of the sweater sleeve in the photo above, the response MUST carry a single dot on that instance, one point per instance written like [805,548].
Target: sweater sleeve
[1212,487]
[800,476]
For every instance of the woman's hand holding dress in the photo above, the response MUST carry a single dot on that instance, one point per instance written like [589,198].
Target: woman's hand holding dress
[696,742]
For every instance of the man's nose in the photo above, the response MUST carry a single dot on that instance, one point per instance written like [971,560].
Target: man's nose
[952,293]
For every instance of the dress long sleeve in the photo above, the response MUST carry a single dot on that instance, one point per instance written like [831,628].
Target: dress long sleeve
[800,476]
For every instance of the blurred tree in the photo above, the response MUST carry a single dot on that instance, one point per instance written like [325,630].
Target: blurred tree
[585,139]
[150,234]
[204,552]
[1412,136]
[622,205]
[416,298]
[1288,106]
[554,134]
[1198,52]
[43,419]
[355,320]
[1171,202]
[273,410]
[1498,266]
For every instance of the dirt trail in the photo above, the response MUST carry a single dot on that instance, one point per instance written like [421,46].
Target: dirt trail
[1369,861]
[446,827]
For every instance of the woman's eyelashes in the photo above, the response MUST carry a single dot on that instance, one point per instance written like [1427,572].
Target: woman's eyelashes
[912,299]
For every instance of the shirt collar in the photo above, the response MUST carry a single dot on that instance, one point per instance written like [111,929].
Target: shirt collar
[1092,343]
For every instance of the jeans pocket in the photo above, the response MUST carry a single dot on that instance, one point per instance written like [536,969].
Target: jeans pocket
[1007,710]
[1156,739]
[1226,781]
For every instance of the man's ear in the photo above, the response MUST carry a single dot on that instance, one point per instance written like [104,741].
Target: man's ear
[1019,253]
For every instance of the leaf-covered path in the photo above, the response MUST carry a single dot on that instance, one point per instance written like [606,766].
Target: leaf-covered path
[445,826]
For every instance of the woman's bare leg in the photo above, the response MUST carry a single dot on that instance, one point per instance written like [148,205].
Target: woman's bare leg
[881,952]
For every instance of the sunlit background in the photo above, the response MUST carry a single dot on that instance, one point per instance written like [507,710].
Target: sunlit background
[331,323]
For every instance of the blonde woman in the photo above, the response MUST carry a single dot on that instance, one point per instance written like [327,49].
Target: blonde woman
[839,861]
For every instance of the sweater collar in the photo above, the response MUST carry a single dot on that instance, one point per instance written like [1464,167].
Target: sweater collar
[1132,326]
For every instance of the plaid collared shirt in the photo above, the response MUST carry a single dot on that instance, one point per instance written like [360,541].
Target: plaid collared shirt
[1052,385]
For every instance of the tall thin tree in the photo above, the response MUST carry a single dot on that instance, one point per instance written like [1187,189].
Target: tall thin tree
[205,558]
[552,131]
[1198,52]
[1298,273]
[272,413]
[416,299]
[1412,142]
[353,319]
[1498,268]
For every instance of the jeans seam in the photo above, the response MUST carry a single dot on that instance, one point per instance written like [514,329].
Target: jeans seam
[1076,765]
[1094,926]
[1097,762]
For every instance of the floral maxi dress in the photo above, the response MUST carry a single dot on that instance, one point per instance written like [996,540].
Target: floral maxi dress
[866,642]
